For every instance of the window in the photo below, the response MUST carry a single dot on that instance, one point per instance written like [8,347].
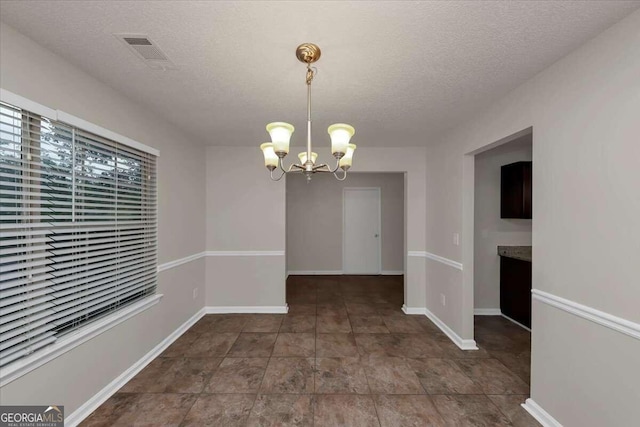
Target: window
[78,235]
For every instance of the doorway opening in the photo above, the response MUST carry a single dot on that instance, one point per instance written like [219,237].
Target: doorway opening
[346,241]
[497,235]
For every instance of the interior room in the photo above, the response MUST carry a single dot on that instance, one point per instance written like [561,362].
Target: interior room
[319,213]
[502,251]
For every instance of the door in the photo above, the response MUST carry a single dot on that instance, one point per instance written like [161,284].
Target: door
[361,231]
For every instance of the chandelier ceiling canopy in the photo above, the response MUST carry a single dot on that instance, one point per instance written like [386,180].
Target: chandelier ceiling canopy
[280,132]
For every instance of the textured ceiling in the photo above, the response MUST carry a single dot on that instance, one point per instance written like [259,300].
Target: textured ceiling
[400,72]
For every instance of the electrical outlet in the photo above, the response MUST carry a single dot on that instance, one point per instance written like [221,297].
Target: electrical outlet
[456,239]
[195,293]
[443,300]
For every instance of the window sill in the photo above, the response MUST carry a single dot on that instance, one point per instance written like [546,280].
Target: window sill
[21,367]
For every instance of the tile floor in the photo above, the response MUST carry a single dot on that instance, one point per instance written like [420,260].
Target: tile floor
[344,355]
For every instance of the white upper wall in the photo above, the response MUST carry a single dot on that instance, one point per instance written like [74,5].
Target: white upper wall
[492,231]
[314,220]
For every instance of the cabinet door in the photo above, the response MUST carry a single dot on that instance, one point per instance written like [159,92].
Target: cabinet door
[515,190]
[515,290]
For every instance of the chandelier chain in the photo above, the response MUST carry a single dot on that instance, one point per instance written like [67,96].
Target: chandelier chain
[311,73]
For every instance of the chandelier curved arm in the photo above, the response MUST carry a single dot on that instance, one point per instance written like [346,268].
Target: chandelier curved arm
[278,178]
[290,168]
[344,175]
[324,165]
[284,171]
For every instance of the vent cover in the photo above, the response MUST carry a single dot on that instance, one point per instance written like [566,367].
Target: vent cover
[147,50]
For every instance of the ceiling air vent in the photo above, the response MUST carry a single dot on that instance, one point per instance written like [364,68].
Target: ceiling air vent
[147,50]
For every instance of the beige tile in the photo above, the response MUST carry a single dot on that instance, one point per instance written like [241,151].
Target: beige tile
[295,345]
[518,363]
[403,325]
[345,411]
[340,375]
[361,309]
[509,405]
[282,410]
[492,376]
[228,410]
[302,309]
[391,375]
[109,412]
[189,375]
[288,375]
[407,411]
[173,375]
[263,323]
[148,380]
[299,324]
[181,346]
[144,410]
[332,323]
[228,323]
[336,345]
[211,345]
[469,411]
[443,376]
[253,345]
[238,375]
[369,324]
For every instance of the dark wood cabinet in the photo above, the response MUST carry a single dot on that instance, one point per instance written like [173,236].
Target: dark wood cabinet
[515,190]
[515,290]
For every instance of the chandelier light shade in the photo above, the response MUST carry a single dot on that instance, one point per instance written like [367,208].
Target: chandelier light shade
[345,161]
[270,157]
[280,132]
[340,134]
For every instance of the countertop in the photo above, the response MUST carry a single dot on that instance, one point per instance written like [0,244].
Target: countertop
[517,252]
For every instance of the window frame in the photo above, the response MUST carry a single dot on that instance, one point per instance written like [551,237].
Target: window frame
[86,332]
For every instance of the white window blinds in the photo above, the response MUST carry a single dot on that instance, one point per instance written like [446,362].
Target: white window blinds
[77,229]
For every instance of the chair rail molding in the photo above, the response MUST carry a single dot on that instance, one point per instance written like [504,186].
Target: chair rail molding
[607,320]
[180,261]
[244,253]
[424,254]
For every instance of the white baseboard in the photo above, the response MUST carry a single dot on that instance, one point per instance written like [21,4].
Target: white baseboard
[338,273]
[77,416]
[516,322]
[457,340]
[487,312]
[542,416]
[413,310]
[263,309]
[314,273]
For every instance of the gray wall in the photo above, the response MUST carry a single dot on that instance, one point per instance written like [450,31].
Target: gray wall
[314,220]
[246,227]
[491,230]
[29,70]
[245,230]
[586,233]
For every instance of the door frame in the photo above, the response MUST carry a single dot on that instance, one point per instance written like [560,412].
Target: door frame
[468,227]
[344,225]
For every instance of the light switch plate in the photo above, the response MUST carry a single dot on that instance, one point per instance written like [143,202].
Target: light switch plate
[456,239]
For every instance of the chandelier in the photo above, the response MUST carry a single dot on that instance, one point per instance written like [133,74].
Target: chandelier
[280,132]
